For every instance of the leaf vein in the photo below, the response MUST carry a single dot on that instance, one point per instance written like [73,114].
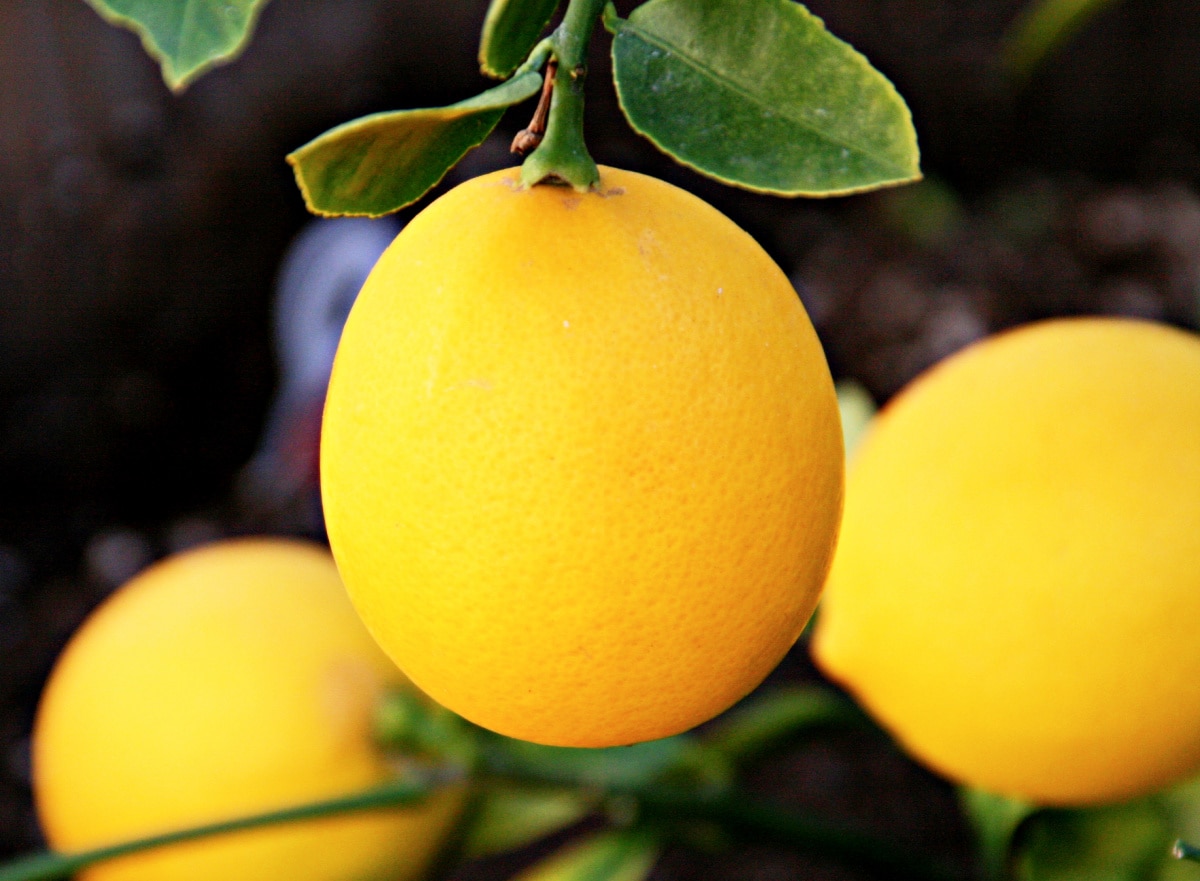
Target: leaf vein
[737,88]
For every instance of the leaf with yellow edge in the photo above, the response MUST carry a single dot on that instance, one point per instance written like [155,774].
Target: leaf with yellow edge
[186,37]
[510,31]
[757,94]
[379,163]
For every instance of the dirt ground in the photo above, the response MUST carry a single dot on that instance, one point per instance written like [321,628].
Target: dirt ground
[140,234]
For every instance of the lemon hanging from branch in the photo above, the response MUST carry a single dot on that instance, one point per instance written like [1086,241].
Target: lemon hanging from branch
[581,458]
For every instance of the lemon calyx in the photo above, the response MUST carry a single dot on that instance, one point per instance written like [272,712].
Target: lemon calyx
[561,153]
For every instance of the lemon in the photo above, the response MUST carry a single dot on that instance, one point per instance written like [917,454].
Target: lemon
[581,459]
[1017,585]
[225,681]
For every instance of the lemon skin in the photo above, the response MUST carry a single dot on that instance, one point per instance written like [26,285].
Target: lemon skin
[1017,585]
[581,459]
[226,681]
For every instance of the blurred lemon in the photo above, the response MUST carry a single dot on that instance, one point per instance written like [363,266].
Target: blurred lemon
[1017,588]
[225,681]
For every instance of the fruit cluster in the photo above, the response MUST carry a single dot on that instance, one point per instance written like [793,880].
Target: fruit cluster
[582,473]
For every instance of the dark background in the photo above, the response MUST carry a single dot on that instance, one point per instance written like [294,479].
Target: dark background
[140,234]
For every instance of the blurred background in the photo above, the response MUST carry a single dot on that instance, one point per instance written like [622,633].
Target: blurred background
[152,395]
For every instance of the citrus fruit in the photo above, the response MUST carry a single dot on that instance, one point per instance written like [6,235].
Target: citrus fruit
[226,681]
[581,459]
[1017,584]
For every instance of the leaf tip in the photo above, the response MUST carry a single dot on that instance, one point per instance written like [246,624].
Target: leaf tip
[295,161]
[179,82]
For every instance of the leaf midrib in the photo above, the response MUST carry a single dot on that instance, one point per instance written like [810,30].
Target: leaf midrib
[738,89]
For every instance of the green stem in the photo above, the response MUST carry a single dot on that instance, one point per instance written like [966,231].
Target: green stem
[1184,851]
[562,154]
[745,816]
[995,819]
[537,57]
[409,725]
[45,866]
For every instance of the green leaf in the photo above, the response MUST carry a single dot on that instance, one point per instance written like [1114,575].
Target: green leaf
[510,31]
[1127,842]
[995,819]
[1182,805]
[186,37]
[378,164]
[1043,27]
[857,408]
[757,93]
[611,856]
[511,816]
[409,725]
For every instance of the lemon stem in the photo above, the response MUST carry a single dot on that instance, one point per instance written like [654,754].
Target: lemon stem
[562,155]
[49,865]
[739,814]
[995,819]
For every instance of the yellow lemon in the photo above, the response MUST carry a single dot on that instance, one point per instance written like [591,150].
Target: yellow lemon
[581,459]
[1017,586]
[225,681]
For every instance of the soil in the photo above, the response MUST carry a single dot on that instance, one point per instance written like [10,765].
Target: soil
[140,233]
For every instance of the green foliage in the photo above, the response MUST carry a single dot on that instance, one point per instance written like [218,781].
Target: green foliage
[48,866]
[611,856]
[511,816]
[1121,842]
[1182,804]
[618,766]
[1127,842]
[380,163]
[757,93]
[186,37]
[995,819]
[767,720]
[857,408]
[510,32]
[1042,28]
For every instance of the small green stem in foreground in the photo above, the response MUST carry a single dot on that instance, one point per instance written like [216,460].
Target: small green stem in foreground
[410,726]
[1184,851]
[743,815]
[47,866]
[562,154]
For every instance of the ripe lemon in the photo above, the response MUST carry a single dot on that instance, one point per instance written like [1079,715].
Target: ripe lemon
[581,459]
[1017,586]
[226,681]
